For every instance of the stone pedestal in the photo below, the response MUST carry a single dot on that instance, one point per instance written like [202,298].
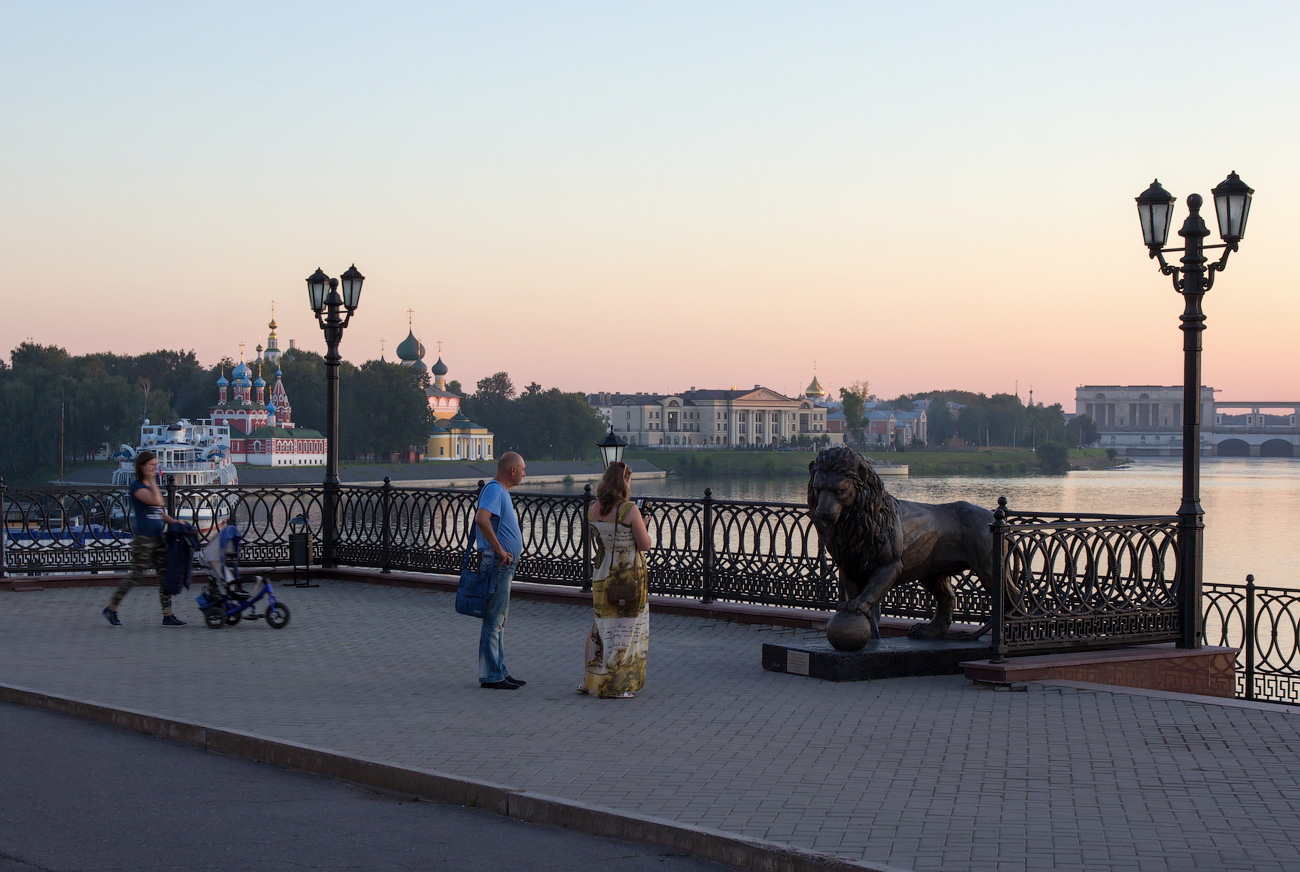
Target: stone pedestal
[888,657]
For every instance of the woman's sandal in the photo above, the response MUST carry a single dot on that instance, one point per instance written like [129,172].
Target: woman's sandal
[582,690]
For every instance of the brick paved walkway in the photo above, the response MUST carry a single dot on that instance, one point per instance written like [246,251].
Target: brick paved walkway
[923,774]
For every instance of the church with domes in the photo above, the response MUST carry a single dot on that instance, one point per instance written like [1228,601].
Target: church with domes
[453,436]
[262,432]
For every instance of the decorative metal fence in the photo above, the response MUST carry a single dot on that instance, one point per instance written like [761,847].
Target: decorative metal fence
[1263,623]
[1079,580]
[764,553]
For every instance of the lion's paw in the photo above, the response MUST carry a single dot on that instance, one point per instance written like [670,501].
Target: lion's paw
[928,631]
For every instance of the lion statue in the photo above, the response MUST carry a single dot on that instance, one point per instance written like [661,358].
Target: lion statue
[878,541]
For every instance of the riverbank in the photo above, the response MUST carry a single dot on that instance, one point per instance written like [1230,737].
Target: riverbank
[428,474]
[649,463]
[920,461]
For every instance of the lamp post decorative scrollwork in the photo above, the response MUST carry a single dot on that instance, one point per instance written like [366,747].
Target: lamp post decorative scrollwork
[1193,279]
[326,302]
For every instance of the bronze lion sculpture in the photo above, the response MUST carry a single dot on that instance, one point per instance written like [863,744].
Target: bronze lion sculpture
[878,541]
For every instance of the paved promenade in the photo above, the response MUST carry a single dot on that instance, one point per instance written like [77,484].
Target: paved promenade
[921,774]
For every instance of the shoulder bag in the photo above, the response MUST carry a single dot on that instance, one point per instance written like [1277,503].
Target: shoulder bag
[477,582]
[624,595]
[477,577]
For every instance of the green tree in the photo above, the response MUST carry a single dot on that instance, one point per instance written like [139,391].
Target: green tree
[973,425]
[540,424]
[1046,424]
[854,412]
[1053,458]
[389,408]
[304,381]
[939,422]
[1080,430]
[498,384]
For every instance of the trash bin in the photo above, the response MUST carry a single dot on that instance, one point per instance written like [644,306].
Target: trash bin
[299,549]
[300,552]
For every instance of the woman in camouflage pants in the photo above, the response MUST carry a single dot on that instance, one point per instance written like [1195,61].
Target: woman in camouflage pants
[147,548]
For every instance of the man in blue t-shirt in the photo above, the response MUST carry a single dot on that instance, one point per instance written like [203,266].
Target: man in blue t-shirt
[498,537]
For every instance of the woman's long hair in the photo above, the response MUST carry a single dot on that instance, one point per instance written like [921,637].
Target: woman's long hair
[613,488]
[140,460]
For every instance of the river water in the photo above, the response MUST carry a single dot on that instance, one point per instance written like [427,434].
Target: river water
[1252,505]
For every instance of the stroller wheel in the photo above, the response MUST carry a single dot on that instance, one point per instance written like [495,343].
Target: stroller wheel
[213,616]
[233,618]
[278,615]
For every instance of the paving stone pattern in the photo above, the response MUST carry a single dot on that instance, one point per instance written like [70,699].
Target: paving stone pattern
[924,773]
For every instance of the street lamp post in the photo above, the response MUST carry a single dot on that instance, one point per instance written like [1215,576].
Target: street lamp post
[326,301]
[1193,279]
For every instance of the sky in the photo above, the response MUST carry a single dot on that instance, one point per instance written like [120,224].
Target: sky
[655,196]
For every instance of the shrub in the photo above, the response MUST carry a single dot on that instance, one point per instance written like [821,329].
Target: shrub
[1053,458]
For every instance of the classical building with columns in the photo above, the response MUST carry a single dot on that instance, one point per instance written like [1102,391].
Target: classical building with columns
[1147,420]
[738,417]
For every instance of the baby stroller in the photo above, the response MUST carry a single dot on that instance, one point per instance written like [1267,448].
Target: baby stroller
[225,600]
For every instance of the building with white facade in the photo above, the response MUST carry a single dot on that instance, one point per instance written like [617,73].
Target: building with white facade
[757,417]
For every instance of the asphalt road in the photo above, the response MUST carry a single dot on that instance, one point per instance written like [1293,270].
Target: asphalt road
[76,795]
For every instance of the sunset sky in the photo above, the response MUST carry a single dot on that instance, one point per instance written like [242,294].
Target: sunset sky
[654,196]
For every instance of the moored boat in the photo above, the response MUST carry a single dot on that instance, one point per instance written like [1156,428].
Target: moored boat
[191,454]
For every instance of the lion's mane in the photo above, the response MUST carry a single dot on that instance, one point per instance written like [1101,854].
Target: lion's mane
[866,528]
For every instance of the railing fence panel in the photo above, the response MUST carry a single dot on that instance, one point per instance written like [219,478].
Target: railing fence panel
[1081,579]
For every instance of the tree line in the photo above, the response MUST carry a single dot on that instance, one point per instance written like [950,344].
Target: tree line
[541,424]
[999,420]
[57,409]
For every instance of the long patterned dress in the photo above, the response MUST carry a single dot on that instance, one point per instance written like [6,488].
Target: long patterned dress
[620,633]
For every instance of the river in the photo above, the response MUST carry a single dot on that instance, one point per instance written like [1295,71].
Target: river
[1252,505]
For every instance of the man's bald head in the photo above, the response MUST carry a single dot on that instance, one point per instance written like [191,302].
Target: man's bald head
[510,469]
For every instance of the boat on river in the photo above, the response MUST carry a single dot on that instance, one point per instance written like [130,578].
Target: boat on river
[889,468]
[190,455]
[193,454]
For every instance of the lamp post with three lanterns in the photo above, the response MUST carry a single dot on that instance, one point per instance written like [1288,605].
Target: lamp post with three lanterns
[1193,279]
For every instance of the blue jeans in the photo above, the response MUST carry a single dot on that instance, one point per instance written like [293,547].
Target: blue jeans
[491,641]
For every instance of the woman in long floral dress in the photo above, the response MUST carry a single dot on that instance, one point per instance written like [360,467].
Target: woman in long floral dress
[620,631]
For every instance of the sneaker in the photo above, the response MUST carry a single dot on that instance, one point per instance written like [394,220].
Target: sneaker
[518,682]
[172,621]
[499,685]
[111,616]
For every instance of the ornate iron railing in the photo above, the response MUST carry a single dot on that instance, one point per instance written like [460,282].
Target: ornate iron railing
[764,553]
[1263,624]
[1079,580]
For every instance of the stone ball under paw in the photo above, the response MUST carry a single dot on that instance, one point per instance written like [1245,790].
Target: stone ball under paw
[848,631]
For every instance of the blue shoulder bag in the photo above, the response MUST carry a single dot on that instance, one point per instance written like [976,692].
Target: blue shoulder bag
[477,582]
[477,577]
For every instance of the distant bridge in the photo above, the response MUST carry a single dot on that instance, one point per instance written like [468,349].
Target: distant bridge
[1146,420]
[1249,428]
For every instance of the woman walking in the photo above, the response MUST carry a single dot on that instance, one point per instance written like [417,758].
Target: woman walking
[620,631]
[147,548]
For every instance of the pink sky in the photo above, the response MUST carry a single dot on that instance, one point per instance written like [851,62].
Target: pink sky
[654,198]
